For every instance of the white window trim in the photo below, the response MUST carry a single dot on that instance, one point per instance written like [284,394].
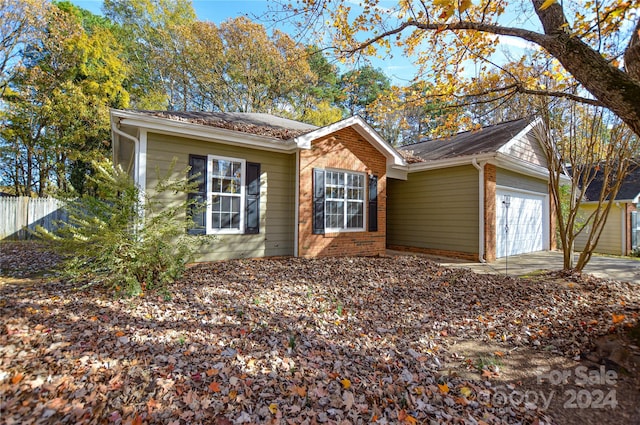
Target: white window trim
[364,203]
[243,176]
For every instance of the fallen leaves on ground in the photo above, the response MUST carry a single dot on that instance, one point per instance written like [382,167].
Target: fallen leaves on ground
[287,341]
[26,259]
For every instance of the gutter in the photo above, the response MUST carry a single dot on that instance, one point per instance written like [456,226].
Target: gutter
[206,133]
[481,207]
[296,214]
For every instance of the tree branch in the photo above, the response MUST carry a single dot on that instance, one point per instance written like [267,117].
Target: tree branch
[560,94]
[531,36]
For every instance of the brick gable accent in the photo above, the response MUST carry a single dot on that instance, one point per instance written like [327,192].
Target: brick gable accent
[343,150]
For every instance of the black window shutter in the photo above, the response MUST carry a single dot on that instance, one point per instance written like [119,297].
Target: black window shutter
[373,203]
[252,224]
[318,201]
[198,198]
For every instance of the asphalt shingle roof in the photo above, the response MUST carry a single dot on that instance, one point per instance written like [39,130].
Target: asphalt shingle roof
[254,123]
[485,140]
[630,186]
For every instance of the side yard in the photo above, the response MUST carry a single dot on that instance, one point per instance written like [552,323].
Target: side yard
[308,341]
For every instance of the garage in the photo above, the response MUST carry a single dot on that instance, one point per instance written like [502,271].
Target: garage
[521,224]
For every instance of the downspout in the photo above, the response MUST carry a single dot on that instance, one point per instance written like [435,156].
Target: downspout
[136,148]
[296,213]
[623,213]
[481,207]
[136,165]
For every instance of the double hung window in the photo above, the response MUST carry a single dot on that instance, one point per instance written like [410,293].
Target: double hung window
[344,201]
[225,194]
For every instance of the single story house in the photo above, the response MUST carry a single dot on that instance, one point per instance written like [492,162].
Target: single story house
[277,187]
[620,233]
[272,186]
[478,195]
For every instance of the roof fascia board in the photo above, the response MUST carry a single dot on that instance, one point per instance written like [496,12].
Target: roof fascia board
[633,200]
[449,162]
[615,201]
[397,172]
[202,132]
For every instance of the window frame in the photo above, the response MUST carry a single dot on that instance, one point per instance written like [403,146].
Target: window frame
[346,201]
[210,176]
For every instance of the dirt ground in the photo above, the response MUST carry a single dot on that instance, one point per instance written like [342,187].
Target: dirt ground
[571,392]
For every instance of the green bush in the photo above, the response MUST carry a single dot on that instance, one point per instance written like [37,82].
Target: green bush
[127,240]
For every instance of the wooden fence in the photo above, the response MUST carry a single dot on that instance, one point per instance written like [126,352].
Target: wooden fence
[17,214]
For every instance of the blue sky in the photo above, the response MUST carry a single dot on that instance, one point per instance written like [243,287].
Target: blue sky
[207,10]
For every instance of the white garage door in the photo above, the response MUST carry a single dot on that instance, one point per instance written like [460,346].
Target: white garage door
[522,225]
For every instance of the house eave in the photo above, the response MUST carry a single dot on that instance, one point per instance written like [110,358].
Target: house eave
[449,162]
[514,164]
[496,158]
[615,201]
[202,132]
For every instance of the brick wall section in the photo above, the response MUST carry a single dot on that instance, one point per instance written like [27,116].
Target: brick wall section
[627,220]
[489,212]
[437,252]
[342,150]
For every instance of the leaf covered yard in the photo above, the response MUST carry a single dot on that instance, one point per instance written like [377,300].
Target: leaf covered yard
[299,341]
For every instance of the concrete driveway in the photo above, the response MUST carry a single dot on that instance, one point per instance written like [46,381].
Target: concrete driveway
[613,268]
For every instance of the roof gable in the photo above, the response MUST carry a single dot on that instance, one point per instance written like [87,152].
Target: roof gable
[363,129]
[526,146]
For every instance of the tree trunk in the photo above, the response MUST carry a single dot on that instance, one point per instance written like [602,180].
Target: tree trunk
[567,254]
[614,88]
[632,54]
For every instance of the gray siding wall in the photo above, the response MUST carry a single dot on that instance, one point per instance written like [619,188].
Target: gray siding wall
[277,190]
[519,181]
[435,209]
[528,149]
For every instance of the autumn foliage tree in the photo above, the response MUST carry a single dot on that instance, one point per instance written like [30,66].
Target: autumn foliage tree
[55,105]
[584,43]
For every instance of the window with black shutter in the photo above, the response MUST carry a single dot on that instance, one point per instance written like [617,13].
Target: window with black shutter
[218,205]
[338,201]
